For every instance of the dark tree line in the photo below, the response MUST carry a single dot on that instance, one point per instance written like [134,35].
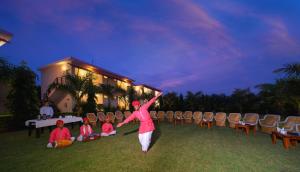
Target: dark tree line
[281,97]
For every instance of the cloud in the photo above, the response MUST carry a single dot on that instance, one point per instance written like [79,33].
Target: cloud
[278,40]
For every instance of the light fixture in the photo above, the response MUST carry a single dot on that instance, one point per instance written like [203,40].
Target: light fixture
[5,37]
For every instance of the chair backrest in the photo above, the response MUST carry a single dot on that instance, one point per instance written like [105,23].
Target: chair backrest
[127,114]
[110,115]
[298,127]
[101,116]
[270,119]
[251,118]
[293,119]
[161,114]
[208,115]
[170,114]
[153,114]
[220,116]
[119,114]
[92,117]
[188,115]
[197,115]
[234,117]
[178,114]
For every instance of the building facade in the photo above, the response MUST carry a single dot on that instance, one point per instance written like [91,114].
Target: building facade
[56,71]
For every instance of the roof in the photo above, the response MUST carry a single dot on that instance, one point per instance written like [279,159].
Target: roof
[81,64]
[148,86]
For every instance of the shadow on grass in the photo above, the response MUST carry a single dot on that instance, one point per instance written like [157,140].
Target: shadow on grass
[131,132]
[155,136]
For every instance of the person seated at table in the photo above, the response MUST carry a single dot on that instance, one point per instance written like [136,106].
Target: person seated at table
[86,131]
[107,128]
[46,110]
[60,136]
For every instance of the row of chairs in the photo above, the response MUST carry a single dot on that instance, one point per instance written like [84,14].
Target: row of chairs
[267,124]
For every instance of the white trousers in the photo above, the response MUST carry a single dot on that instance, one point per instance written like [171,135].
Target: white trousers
[145,140]
[108,134]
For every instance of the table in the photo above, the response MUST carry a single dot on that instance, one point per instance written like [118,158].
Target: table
[246,127]
[40,124]
[287,139]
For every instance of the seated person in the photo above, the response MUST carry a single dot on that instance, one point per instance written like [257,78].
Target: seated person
[60,136]
[86,131]
[46,110]
[107,128]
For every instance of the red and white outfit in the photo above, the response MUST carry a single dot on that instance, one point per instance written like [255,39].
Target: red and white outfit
[107,129]
[85,131]
[60,134]
[146,124]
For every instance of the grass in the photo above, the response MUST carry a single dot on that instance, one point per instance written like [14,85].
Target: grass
[183,148]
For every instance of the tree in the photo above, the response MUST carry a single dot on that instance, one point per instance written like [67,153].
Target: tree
[6,70]
[109,91]
[243,100]
[192,100]
[90,90]
[170,101]
[23,100]
[290,70]
[132,95]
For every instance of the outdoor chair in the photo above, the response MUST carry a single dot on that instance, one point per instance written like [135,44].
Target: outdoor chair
[233,119]
[197,116]
[298,127]
[153,115]
[269,123]
[220,119]
[161,116]
[251,119]
[289,123]
[92,118]
[188,117]
[178,116]
[170,116]
[127,114]
[101,117]
[119,116]
[111,116]
[208,118]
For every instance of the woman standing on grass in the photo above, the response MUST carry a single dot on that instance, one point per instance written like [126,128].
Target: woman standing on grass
[146,124]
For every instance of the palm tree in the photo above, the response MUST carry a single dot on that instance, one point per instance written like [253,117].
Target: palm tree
[290,70]
[90,90]
[272,97]
[75,85]
[6,70]
[111,92]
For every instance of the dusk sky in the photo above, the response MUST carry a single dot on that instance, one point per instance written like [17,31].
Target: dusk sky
[174,45]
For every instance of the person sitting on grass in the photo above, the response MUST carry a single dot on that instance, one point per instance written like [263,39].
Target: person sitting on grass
[60,136]
[107,128]
[86,132]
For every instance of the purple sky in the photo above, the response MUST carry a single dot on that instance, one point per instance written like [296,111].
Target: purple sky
[174,45]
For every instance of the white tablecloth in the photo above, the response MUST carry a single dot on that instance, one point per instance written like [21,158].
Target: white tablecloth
[52,121]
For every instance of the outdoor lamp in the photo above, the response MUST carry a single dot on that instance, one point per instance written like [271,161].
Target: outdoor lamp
[5,37]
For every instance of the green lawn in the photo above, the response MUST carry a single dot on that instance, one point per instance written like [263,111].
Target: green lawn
[182,148]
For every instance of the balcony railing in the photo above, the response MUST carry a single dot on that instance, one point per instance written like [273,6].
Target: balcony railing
[60,80]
